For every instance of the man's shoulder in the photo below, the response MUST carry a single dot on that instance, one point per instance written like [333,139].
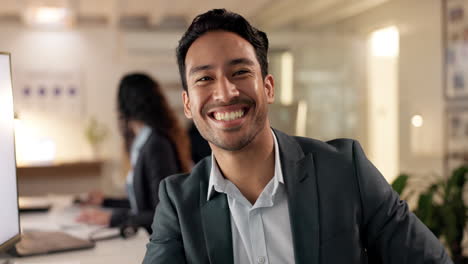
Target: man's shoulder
[333,146]
[185,183]
[311,145]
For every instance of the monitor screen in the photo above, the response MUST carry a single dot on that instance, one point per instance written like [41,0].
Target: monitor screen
[9,215]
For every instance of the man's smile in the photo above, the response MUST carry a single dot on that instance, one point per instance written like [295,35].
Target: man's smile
[229,116]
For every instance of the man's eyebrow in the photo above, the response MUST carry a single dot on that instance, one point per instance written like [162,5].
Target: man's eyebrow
[241,61]
[230,63]
[200,68]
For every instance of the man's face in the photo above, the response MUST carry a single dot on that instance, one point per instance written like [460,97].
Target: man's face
[227,96]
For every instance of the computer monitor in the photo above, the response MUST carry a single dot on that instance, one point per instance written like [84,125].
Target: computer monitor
[9,213]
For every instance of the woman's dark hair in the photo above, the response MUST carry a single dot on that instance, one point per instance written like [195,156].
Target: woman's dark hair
[140,98]
[220,19]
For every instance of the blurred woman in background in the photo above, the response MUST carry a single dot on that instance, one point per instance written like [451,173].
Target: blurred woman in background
[157,147]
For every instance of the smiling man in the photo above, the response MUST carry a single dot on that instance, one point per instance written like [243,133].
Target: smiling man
[263,196]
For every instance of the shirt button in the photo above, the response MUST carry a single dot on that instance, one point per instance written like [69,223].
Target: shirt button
[261,260]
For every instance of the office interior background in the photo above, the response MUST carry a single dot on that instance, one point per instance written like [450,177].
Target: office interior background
[373,70]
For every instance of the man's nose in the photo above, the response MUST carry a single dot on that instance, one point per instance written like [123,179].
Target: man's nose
[225,90]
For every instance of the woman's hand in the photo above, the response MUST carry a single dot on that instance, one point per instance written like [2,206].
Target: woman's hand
[94,197]
[94,216]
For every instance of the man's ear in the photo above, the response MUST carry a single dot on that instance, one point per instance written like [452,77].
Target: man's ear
[187,110]
[269,88]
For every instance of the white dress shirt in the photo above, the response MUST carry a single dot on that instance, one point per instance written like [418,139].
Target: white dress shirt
[261,233]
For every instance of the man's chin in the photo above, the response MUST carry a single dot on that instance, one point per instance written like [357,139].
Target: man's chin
[232,144]
[232,129]
[230,148]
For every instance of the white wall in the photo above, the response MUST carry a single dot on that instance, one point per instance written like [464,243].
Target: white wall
[88,52]
[420,74]
[102,57]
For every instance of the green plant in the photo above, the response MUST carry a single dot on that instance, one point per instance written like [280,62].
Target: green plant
[95,134]
[441,208]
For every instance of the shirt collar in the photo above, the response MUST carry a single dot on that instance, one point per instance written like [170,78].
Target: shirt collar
[217,179]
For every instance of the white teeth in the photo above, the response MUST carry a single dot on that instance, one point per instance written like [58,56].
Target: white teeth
[229,116]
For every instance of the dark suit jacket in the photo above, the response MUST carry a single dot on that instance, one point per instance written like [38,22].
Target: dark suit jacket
[157,159]
[341,210]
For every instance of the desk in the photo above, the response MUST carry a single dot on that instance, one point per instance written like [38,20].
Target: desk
[60,217]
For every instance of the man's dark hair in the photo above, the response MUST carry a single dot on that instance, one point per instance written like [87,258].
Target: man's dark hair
[220,19]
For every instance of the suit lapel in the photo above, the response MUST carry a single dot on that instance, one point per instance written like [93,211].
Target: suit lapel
[301,185]
[216,220]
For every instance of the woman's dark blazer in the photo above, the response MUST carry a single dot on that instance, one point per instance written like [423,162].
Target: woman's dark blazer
[157,159]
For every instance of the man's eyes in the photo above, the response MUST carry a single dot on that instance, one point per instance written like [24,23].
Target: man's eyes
[240,72]
[204,79]
[208,78]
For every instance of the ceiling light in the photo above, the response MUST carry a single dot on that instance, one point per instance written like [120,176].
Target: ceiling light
[417,121]
[48,16]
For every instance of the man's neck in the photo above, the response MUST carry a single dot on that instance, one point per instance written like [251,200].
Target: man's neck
[251,168]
